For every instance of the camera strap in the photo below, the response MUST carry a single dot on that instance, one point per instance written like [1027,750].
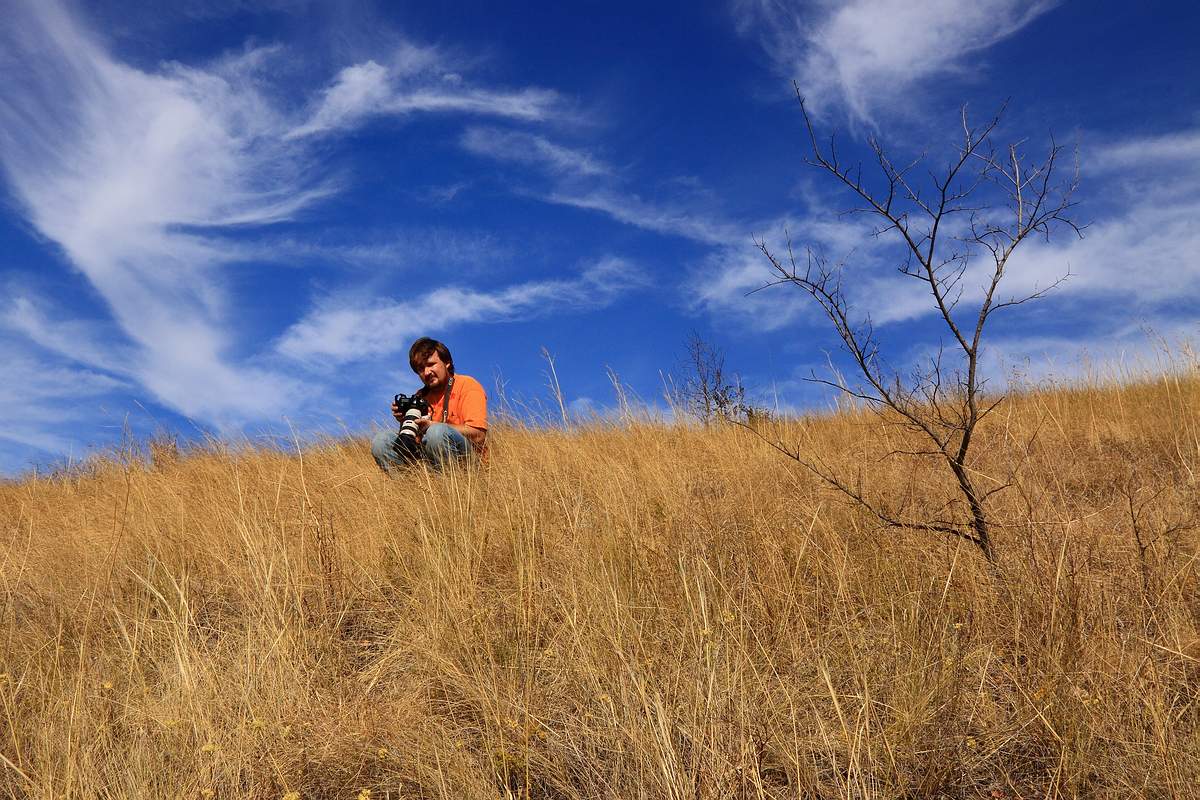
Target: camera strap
[446,398]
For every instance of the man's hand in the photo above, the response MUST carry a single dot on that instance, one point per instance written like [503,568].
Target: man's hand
[396,412]
[423,424]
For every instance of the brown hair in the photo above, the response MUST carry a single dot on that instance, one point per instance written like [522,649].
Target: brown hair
[421,349]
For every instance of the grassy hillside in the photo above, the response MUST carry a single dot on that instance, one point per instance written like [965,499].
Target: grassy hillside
[619,612]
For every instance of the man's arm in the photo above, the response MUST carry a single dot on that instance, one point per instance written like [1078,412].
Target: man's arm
[473,411]
[476,436]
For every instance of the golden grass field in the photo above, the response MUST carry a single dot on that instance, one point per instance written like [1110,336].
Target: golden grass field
[615,611]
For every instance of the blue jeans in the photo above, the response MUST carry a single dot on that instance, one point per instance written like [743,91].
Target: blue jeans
[441,445]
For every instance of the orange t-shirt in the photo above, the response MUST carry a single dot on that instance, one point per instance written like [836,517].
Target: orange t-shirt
[468,403]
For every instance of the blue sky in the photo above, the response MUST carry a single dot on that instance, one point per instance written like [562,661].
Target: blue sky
[232,218]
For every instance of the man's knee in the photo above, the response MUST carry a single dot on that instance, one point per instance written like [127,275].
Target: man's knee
[442,443]
[382,443]
[383,448]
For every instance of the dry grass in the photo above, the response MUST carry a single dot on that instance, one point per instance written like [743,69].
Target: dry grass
[622,613]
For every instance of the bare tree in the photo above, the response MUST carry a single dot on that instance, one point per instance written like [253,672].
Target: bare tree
[709,392]
[962,224]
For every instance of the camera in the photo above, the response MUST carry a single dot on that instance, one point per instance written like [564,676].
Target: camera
[410,408]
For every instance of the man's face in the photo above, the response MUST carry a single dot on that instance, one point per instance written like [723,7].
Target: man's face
[434,372]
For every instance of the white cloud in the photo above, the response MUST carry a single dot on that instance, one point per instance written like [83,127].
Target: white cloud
[668,219]
[369,89]
[346,332]
[862,54]
[1129,349]
[1138,265]
[46,406]
[1140,257]
[730,283]
[581,180]
[525,148]
[359,90]
[136,175]
[404,248]
[1148,255]
[1177,147]
[111,163]
[78,340]
[441,195]
[734,281]
[526,104]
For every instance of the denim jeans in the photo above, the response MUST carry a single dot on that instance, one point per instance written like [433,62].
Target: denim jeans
[441,445]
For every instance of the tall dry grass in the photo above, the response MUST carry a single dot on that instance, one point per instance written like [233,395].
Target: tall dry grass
[618,611]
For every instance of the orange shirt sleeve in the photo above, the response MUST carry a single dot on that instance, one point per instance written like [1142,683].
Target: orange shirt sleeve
[472,408]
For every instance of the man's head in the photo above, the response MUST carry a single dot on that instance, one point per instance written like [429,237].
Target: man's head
[432,362]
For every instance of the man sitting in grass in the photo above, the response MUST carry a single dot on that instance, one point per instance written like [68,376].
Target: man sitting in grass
[455,427]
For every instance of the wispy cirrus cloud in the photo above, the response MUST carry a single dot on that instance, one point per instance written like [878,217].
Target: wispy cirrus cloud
[864,54]
[670,219]
[406,245]
[371,89]
[89,342]
[125,171]
[1125,348]
[580,179]
[736,281]
[1136,269]
[526,148]
[1138,257]
[1147,152]
[731,284]
[348,331]
[46,406]
[140,175]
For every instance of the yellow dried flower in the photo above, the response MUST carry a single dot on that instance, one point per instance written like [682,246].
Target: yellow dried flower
[209,747]
[206,792]
[291,796]
[106,685]
[971,742]
[382,752]
[257,724]
[365,794]
[285,731]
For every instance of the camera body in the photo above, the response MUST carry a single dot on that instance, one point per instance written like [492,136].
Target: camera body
[410,408]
